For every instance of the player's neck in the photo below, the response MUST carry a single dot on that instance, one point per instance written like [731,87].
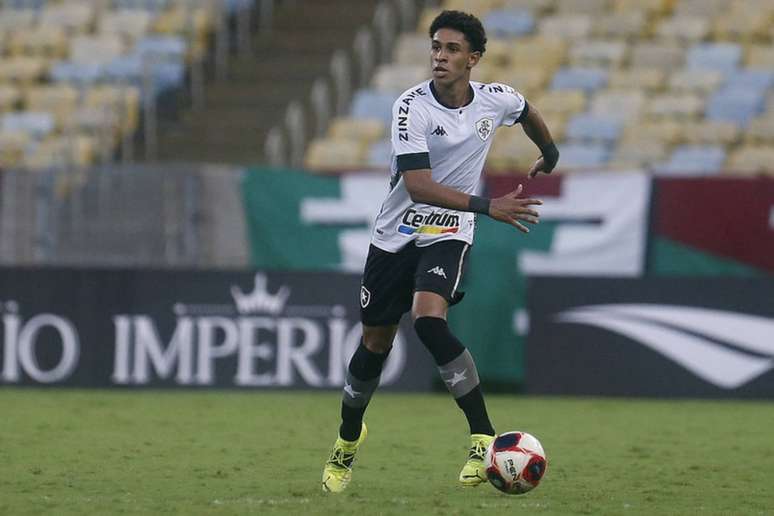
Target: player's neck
[454,95]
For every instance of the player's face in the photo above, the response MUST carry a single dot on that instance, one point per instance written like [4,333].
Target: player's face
[450,56]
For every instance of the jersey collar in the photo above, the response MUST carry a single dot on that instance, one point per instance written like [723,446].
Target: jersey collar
[438,102]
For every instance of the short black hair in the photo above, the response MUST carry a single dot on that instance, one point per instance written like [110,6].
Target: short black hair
[465,23]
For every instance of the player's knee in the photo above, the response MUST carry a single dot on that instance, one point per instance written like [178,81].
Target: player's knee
[377,345]
[438,339]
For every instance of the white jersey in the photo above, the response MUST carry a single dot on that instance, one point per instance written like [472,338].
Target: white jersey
[453,143]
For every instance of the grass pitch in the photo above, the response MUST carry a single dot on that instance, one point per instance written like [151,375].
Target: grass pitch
[96,452]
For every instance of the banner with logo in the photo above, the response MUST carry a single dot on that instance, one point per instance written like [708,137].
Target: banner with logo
[697,337]
[122,328]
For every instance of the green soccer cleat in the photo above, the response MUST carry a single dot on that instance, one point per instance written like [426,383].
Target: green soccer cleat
[474,472]
[338,469]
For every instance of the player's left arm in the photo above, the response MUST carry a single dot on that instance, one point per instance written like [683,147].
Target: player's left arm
[536,129]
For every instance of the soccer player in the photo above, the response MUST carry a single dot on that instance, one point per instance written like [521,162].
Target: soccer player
[441,132]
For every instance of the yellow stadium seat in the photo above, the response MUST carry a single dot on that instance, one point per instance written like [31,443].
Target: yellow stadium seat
[329,154]
[761,130]
[573,27]
[124,101]
[96,49]
[751,159]
[598,53]
[561,102]
[527,81]
[511,150]
[61,152]
[480,7]
[545,52]
[683,29]
[638,153]
[12,148]
[426,17]
[131,24]
[583,6]
[663,56]
[741,25]
[684,106]
[651,7]
[51,42]
[412,49]
[760,57]
[498,51]
[364,130]
[620,25]
[695,81]
[700,8]
[534,6]
[71,16]
[710,132]
[22,70]
[9,97]
[626,104]
[398,77]
[59,100]
[647,79]
[666,131]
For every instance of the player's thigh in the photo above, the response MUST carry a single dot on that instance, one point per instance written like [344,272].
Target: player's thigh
[439,270]
[388,285]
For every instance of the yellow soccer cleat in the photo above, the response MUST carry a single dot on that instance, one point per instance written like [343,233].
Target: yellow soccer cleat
[474,472]
[338,469]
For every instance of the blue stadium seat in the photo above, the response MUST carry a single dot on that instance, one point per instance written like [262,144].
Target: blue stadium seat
[586,127]
[162,48]
[737,105]
[373,104]
[587,79]
[753,80]
[509,23]
[76,73]
[582,155]
[379,154]
[724,57]
[691,160]
[37,123]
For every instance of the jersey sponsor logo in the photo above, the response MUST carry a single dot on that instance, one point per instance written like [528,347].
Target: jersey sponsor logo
[438,271]
[403,113]
[365,296]
[439,131]
[484,128]
[433,223]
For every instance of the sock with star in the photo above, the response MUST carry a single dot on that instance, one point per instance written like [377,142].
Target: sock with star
[363,373]
[458,371]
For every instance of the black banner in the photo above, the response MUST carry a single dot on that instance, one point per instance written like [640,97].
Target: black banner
[693,337]
[130,328]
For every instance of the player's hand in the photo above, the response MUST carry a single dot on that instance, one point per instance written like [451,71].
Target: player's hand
[512,210]
[539,166]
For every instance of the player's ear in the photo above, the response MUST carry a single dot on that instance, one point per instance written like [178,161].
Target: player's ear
[473,59]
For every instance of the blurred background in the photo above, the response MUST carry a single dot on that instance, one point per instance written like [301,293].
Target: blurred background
[187,189]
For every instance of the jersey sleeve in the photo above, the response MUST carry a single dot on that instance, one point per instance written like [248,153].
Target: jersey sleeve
[514,105]
[409,134]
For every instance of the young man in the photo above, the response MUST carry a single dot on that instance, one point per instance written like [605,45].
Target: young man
[441,132]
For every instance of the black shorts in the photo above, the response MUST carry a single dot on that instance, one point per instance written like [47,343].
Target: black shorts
[390,279]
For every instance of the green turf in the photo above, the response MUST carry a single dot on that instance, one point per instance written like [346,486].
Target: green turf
[87,452]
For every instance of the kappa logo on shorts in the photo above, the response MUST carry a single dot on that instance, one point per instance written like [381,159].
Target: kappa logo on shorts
[365,296]
[438,271]
[484,128]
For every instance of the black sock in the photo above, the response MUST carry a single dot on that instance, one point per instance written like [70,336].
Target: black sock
[472,404]
[453,359]
[365,366]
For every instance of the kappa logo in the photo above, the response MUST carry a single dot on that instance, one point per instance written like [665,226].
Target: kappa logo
[365,296]
[484,128]
[727,349]
[438,271]
[439,131]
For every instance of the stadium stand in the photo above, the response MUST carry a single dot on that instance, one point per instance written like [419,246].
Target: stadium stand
[673,86]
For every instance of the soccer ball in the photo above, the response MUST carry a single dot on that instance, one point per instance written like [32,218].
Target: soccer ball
[515,462]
